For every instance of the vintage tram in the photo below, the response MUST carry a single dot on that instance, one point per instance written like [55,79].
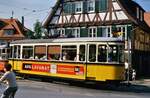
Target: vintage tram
[94,59]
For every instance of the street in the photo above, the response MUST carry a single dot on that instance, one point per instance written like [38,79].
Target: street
[37,89]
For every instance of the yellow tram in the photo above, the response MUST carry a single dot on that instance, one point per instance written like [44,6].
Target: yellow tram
[96,59]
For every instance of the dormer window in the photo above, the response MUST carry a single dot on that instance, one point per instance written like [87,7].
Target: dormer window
[78,7]
[141,15]
[138,12]
[91,6]
[9,32]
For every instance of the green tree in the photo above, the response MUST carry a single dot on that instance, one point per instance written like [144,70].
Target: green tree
[29,34]
[38,29]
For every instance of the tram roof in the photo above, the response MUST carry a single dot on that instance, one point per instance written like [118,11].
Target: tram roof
[66,40]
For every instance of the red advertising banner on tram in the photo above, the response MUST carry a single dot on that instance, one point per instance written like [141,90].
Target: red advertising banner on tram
[55,69]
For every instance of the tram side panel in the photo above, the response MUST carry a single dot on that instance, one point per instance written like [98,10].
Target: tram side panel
[50,69]
[102,72]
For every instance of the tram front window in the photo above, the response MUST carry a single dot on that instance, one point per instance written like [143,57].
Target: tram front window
[27,52]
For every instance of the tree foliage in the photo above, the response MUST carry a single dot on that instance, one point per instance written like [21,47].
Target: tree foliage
[38,30]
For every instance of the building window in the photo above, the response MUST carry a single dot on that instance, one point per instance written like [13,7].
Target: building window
[9,32]
[61,32]
[69,8]
[78,7]
[92,32]
[119,31]
[91,6]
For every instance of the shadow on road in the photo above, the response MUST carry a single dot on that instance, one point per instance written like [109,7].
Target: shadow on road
[133,88]
[123,87]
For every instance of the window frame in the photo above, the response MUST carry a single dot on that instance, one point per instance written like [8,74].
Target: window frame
[78,5]
[91,32]
[89,6]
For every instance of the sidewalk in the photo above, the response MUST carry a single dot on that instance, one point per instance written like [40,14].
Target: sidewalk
[144,82]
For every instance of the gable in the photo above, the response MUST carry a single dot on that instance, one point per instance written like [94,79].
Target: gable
[11,29]
[114,12]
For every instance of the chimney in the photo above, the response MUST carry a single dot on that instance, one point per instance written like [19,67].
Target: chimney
[23,21]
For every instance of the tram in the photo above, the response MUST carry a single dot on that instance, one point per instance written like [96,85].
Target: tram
[94,59]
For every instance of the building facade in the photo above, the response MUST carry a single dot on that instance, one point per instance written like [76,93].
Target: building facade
[122,19]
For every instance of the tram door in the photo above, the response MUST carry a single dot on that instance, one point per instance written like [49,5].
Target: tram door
[91,59]
[82,57]
[16,57]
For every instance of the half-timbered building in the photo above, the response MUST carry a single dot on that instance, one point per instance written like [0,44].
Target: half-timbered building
[122,19]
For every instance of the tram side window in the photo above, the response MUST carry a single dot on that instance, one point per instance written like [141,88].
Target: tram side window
[54,52]
[40,52]
[82,53]
[102,53]
[27,52]
[121,54]
[113,53]
[92,53]
[69,52]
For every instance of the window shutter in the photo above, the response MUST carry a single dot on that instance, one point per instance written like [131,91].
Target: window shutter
[65,8]
[83,32]
[85,6]
[67,31]
[103,4]
[129,29]
[99,32]
[73,7]
[97,6]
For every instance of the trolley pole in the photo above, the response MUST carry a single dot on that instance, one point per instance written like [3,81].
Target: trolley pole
[129,61]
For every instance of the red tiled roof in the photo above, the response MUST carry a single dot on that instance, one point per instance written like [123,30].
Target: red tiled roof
[147,18]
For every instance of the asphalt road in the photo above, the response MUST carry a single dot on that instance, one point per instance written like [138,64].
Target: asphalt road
[37,89]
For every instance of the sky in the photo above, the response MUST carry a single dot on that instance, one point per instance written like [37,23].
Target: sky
[34,10]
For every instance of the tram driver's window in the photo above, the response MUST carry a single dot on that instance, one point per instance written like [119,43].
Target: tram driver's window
[92,53]
[82,53]
[69,52]
[102,53]
[27,52]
